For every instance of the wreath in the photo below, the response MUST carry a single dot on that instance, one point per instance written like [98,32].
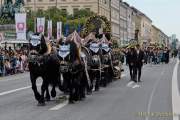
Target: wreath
[94,23]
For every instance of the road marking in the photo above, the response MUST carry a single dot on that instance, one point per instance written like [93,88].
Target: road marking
[130,84]
[16,90]
[136,86]
[175,93]
[123,75]
[59,106]
[152,94]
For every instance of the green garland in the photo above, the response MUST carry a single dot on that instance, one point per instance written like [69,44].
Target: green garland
[107,28]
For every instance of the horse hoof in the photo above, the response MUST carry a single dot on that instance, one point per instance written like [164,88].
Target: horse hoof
[41,104]
[53,94]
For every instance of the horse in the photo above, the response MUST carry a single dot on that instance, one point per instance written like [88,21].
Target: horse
[42,64]
[94,64]
[106,61]
[71,69]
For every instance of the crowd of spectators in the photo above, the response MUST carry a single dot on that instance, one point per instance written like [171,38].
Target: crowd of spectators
[152,55]
[13,61]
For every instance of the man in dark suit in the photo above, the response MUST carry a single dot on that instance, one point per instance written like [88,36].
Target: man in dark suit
[139,62]
[131,61]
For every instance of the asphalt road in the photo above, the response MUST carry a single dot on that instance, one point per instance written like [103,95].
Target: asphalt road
[153,99]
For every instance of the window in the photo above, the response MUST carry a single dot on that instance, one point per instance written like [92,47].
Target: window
[64,10]
[88,9]
[75,10]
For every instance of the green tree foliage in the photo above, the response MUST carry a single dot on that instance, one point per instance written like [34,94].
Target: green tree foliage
[55,14]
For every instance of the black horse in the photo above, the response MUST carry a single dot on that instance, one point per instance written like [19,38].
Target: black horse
[107,65]
[94,64]
[44,65]
[71,69]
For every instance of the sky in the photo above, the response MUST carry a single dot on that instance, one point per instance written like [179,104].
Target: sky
[165,14]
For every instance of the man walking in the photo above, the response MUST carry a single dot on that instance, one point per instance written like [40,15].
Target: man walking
[139,62]
[131,61]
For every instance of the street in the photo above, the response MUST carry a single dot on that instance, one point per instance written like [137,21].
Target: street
[154,99]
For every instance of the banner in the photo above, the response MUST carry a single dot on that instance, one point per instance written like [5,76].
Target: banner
[49,29]
[40,25]
[59,30]
[20,19]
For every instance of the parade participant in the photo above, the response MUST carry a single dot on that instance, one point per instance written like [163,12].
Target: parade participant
[131,61]
[139,61]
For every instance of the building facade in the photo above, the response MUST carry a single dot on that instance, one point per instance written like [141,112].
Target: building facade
[123,23]
[155,38]
[101,7]
[143,25]
[115,20]
[130,24]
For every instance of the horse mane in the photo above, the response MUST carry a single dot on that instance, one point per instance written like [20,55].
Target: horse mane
[43,46]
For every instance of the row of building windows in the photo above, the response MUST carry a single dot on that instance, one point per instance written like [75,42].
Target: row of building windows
[46,0]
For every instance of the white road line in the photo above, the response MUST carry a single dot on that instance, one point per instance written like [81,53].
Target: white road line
[59,106]
[175,93]
[130,84]
[152,94]
[16,90]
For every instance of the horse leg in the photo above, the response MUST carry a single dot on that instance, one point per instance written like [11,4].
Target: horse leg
[43,89]
[97,81]
[71,92]
[34,87]
[53,91]
[47,95]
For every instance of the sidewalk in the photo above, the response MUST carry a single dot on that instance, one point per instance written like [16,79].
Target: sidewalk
[15,76]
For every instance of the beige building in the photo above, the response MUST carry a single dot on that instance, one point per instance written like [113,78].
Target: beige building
[123,23]
[143,25]
[159,37]
[155,35]
[163,39]
[130,24]
[101,7]
[115,20]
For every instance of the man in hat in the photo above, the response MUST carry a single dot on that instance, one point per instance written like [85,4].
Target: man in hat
[131,61]
[139,61]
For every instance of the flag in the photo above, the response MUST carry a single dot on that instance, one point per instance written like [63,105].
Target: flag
[59,30]
[40,25]
[49,28]
[20,19]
